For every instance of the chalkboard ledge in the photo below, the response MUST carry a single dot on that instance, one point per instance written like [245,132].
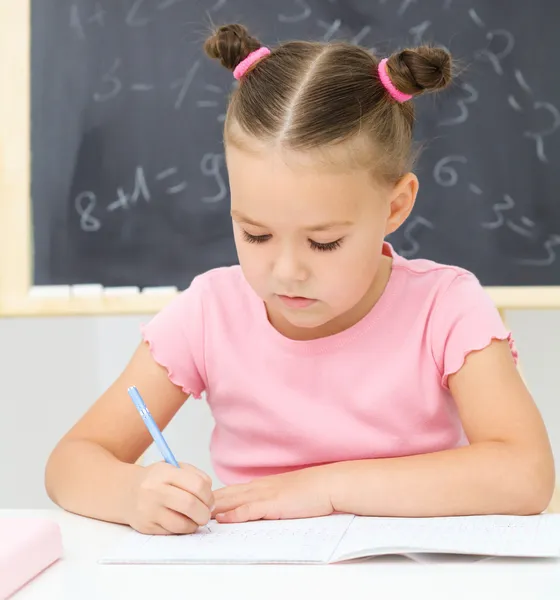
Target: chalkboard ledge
[109,302]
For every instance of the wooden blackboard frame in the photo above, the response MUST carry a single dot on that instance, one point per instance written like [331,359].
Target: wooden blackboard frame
[16,240]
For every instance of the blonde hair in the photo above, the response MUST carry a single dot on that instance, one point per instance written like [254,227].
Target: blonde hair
[309,95]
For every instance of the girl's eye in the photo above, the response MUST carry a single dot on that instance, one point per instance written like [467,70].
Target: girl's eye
[255,239]
[328,246]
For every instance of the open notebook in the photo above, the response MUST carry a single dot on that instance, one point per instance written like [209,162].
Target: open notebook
[340,537]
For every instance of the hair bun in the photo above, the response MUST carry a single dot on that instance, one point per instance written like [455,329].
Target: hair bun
[417,70]
[230,44]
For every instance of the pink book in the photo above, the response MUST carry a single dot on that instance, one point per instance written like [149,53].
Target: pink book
[27,547]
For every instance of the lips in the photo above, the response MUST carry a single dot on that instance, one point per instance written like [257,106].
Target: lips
[296,301]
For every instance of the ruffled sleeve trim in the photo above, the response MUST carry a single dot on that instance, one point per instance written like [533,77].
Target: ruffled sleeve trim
[158,357]
[456,363]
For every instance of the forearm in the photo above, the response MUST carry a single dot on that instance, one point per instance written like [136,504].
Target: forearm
[84,478]
[485,478]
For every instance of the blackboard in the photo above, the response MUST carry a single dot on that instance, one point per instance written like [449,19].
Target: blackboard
[128,180]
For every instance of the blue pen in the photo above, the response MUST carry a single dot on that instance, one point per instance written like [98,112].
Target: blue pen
[152,427]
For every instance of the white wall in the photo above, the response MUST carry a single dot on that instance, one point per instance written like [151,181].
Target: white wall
[51,370]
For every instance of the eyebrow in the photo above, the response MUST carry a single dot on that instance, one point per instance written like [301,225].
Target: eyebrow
[319,227]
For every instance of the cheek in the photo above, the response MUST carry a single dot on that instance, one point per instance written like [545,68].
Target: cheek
[353,272]
[251,260]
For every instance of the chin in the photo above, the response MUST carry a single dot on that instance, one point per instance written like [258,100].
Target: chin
[301,324]
[308,321]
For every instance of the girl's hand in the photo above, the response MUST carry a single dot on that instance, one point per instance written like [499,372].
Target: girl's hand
[294,495]
[167,500]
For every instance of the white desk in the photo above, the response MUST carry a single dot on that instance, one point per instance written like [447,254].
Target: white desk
[79,577]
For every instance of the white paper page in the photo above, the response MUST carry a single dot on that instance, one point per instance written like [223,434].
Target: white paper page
[495,535]
[287,541]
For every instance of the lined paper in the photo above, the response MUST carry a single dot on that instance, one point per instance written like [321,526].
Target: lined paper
[494,535]
[310,540]
[341,537]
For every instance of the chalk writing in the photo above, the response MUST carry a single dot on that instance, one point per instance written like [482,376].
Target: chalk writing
[140,190]
[114,84]
[521,81]
[196,91]
[168,4]
[419,31]
[527,231]
[446,175]
[85,204]
[549,259]
[512,101]
[539,135]
[499,209]
[136,15]
[98,16]
[404,6]
[357,39]
[184,84]
[210,166]
[76,22]
[493,57]
[475,18]
[214,89]
[174,189]
[464,111]
[132,18]
[219,4]
[409,227]
[475,189]
[304,11]
[331,28]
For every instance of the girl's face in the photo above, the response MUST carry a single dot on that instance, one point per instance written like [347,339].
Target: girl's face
[309,240]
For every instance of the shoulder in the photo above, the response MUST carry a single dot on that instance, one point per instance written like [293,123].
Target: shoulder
[178,334]
[216,290]
[213,297]
[222,287]
[459,315]
[428,283]
[222,278]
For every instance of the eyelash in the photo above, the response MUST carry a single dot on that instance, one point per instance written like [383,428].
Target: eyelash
[327,247]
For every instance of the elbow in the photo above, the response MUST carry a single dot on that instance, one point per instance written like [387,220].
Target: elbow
[536,481]
[48,479]
[51,476]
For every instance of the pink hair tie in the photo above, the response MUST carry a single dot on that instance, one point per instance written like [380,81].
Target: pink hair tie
[388,84]
[250,60]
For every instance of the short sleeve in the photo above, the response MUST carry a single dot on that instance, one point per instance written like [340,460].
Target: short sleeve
[464,319]
[176,339]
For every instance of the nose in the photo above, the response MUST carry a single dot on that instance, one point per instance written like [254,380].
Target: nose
[288,267]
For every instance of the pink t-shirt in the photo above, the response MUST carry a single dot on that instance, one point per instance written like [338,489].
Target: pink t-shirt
[377,389]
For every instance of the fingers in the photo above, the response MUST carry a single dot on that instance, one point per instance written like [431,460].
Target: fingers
[227,502]
[174,523]
[187,504]
[232,496]
[153,529]
[192,480]
[193,469]
[243,513]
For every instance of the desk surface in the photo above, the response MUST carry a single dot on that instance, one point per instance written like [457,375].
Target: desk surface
[79,576]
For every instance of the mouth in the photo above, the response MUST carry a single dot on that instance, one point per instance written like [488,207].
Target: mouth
[296,301]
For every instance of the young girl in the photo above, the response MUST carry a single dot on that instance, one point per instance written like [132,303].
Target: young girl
[342,377]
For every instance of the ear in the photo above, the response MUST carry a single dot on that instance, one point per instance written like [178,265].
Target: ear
[401,201]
